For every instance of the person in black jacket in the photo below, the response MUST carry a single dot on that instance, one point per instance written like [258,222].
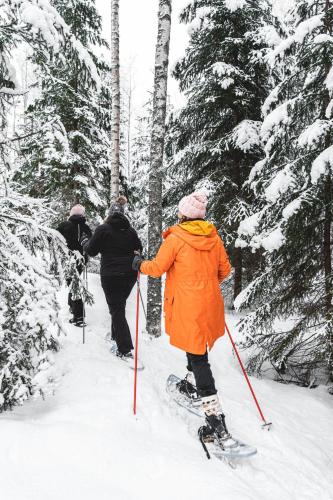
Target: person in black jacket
[73,230]
[116,241]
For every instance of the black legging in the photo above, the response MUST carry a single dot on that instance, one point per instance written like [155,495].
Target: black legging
[117,290]
[199,365]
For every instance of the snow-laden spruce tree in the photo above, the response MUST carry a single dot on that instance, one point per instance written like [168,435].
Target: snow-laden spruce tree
[29,324]
[31,255]
[292,216]
[66,156]
[215,137]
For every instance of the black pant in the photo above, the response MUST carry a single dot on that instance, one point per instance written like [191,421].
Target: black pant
[198,364]
[76,306]
[117,290]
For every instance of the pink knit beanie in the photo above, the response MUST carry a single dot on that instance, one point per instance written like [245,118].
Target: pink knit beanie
[77,210]
[194,205]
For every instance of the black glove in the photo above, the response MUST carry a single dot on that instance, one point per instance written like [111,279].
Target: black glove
[137,261]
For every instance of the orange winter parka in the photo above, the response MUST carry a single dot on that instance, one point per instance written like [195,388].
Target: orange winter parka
[195,260]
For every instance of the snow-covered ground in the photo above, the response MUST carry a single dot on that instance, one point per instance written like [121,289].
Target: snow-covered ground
[85,444]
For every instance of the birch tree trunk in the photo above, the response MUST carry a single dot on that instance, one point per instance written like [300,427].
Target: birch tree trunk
[115,101]
[154,299]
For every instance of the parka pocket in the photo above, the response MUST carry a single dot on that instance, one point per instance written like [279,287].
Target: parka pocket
[168,305]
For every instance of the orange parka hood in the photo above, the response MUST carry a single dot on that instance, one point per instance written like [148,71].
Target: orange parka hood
[199,234]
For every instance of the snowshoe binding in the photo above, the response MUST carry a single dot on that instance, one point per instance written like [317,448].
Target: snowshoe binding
[215,433]
[184,393]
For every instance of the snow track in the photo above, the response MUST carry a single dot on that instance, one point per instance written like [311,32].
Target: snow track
[84,442]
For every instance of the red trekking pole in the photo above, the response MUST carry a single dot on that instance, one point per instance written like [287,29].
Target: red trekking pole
[265,424]
[136,343]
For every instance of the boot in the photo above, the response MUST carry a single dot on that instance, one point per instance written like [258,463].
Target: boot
[215,419]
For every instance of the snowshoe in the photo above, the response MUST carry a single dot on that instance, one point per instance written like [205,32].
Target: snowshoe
[214,436]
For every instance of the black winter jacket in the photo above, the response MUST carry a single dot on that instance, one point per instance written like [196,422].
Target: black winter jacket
[73,229]
[116,241]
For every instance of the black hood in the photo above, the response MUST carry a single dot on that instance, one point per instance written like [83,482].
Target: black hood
[118,221]
[77,219]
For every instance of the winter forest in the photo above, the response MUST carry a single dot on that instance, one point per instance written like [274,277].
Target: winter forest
[103,102]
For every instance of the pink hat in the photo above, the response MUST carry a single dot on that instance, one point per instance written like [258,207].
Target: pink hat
[77,210]
[194,205]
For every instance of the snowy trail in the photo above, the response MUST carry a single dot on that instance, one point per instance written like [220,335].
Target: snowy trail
[84,442]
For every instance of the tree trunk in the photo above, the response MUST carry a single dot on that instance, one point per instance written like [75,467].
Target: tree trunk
[154,306]
[328,199]
[238,266]
[129,128]
[327,245]
[115,101]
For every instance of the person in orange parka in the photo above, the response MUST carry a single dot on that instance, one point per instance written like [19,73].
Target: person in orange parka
[194,258]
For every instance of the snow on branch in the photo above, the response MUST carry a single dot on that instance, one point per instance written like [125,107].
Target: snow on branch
[234,5]
[246,135]
[200,20]
[314,133]
[319,166]
[44,21]
[279,185]
[303,29]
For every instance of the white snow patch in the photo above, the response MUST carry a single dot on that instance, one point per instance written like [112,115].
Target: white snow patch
[279,185]
[291,209]
[322,38]
[312,134]
[320,164]
[249,225]
[233,5]
[329,80]
[279,116]
[94,197]
[328,112]
[225,72]
[239,243]
[256,169]
[269,34]
[303,29]
[246,135]
[200,20]
[206,186]
[83,441]
[274,240]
